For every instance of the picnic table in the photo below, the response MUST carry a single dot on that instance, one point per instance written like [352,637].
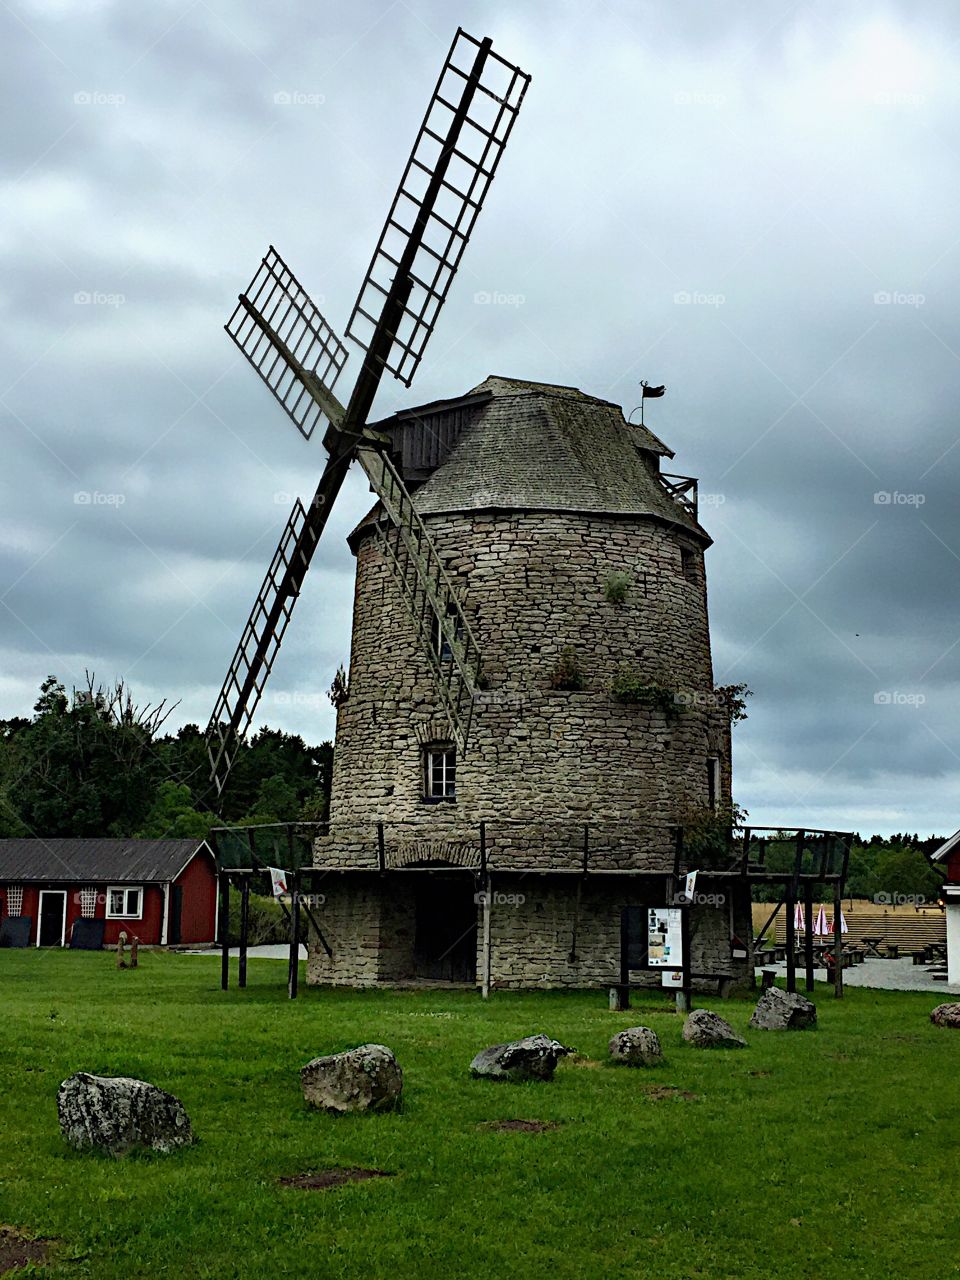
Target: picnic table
[872,945]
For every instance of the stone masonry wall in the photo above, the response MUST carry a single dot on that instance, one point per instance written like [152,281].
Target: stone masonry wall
[541,762]
[370,926]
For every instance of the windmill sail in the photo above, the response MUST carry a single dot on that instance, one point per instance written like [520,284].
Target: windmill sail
[289,343]
[441,193]
[429,593]
[299,357]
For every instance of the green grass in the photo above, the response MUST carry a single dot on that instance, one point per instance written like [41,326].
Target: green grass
[811,1154]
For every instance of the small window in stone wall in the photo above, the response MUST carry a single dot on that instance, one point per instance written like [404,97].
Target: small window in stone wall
[688,563]
[440,772]
[440,643]
[713,783]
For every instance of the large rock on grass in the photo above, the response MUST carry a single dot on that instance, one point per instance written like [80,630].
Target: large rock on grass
[532,1058]
[706,1030]
[783,1011]
[116,1114]
[946,1015]
[367,1078]
[636,1047]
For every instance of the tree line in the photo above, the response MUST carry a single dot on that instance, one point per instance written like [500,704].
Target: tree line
[93,763]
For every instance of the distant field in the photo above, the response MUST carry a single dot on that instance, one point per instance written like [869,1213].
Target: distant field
[816,1154]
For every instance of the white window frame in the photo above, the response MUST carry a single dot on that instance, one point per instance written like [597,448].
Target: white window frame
[125,889]
[441,772]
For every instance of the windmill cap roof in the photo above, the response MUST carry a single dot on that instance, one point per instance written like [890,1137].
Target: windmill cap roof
[537,447]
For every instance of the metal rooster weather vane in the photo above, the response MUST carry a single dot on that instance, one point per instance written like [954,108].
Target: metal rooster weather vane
[299,357]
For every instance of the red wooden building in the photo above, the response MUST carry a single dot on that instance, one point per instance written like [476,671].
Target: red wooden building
[82,893]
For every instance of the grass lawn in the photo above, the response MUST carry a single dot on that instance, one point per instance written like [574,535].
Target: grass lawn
[809,1154]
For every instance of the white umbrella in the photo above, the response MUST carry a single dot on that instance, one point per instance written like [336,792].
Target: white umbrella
[843,924]
[820,929]
[798,921]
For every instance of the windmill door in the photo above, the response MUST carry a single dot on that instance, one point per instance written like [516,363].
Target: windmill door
[445,942]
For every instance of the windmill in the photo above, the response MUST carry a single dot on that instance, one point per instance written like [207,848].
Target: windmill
[300,357]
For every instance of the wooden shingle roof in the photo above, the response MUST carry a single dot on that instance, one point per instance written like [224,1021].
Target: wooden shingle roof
[537,447]
[94,861]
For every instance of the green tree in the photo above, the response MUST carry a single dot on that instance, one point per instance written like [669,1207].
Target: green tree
[173,817]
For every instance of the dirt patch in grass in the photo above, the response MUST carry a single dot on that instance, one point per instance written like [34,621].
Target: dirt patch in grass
[324,1179]
[520,1126]
[16,1251]
[759,1073]
[581,1060]
[660,1092]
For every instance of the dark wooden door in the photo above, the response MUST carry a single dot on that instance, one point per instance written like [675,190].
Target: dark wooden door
[445,942]
[53,909]
[176,911]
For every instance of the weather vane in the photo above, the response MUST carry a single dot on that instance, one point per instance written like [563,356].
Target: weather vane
[651,393]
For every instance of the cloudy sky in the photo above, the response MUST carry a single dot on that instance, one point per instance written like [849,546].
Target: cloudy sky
[755,203]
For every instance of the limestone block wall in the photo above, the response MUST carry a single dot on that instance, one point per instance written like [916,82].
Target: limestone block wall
[369,923]
[541,761]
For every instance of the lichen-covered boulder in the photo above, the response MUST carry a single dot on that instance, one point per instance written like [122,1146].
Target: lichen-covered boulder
[706,1030]
[783,1011]
[367,1078]
[532,1058]
[636,1047]
[946,1015]
[115,1114]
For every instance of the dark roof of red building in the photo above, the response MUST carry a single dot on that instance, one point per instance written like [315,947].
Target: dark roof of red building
[95,861]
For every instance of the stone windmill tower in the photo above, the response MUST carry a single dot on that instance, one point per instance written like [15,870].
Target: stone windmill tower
[529,709]
[595,730]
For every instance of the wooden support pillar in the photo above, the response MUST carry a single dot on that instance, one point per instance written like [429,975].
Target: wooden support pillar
[620,994]
[224,931]
[685,994]
[485,952]
[837,941]
[244,929]
[790,902]
[808,939]
[293,973]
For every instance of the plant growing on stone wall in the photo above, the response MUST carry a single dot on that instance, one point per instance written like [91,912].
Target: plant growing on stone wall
[708,833]
[632,688]
[734,698]
[566,673]
[616,586]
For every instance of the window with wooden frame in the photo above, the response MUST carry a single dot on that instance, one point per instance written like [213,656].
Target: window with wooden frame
[441,644]
[124,903]
[713,783]
[440,772]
